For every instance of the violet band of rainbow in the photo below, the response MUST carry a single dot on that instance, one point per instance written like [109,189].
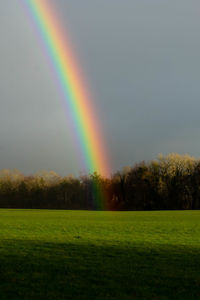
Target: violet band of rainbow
[73,87]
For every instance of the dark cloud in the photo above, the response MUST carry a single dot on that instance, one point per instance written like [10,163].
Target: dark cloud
[141,60]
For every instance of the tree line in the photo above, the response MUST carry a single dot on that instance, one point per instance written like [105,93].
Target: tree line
[169,182]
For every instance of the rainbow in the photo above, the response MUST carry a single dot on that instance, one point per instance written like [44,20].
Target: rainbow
[73,88]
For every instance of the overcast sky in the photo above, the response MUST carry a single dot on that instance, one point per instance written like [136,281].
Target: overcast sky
[141,61]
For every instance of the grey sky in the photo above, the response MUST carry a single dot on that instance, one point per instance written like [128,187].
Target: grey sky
[141,61]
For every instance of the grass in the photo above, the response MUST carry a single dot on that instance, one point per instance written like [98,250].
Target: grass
[48,254]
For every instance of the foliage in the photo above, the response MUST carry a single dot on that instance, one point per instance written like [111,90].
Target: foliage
[169,182]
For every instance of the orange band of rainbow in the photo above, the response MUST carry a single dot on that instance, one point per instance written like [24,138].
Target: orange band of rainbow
[72,84]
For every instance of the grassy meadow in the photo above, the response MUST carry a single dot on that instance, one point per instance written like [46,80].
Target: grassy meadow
[55,254]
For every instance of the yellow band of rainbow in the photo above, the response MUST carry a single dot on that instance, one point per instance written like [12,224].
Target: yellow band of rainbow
[72,84]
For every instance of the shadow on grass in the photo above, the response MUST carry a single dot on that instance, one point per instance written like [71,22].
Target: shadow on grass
[37,270]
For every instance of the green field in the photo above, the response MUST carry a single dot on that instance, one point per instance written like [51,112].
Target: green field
[48,254]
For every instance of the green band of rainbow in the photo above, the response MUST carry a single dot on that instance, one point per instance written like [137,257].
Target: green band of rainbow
[74,90]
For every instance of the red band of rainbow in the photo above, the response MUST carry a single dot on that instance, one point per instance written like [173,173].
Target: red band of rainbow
[72,84]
